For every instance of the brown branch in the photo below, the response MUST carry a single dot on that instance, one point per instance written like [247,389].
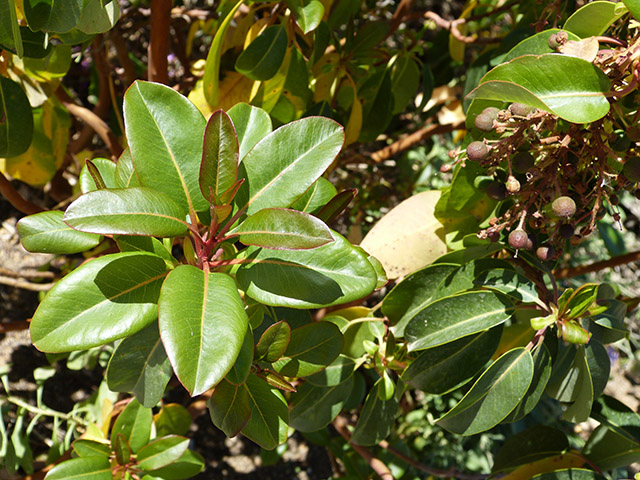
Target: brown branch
[93,121]
[399,15]
[122,51]
[26,273]
[413,139]
[454,27]
[15,199]
[19,283]
[570,272]
[160,22]
[14,326]
[340,424]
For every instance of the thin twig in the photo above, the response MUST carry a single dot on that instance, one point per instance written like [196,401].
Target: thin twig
[454,27]
[340,424]
[15,199]
[19,283]
[597,266]
[26,273]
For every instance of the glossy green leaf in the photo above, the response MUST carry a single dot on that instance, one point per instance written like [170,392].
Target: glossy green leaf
[98,16]
[251,123]
[53,16]
[413,294]
[454,317]
[536,44]
[283,229]
[161,452]
[166,155]
[229,407]
[405,80]
[35,43]
[121,449]
[333,274]
[308,13]
[285,163]
[16,125]
[140,365]
[566,86]
[107,170]
[126,211]
[594,18]
[126,176]
[534,443]
[273,342]
[378,104]
[83,468]
[269,414]
[187,466]
[219,167]
[311,348]
[445,367]
[10,37]
[134,422]
[172,419]
[510,283]
[107,298]
[202,325]
[316,197]
[339,371]
[570,474]
[241,368]
[45,232]
[263,57]
[634,7]
[315,407]
[376,419]
[132,243]
[90,448]
[617,416]
[609,449]
[580,301]
[494,395]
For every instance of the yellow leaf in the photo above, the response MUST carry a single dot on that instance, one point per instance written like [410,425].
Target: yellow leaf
[550,464]
[270,90]
[409,237]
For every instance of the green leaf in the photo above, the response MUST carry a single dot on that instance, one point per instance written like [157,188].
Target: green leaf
[162,452]
[580,301]
[617,416]
[413,294]
[609,449]
[107,298]
[251,123]
[440,369]
[378,104]
[315,407]
[316,197]
[454,317]
[569,474]
[127,211]
[376,419]
[263,57]
[10,38]
[308,13]
[131,243]
[202,325]
[172,419]
[126,176]
[188,465]
[98,16]
[285,163]
[283,229]
[594,18]
[219,167]
[229,407]
[566,86]
[107,170]
[45,232]
[311,348]
[241,368]
[122,450]
[134,422]
[532,444]
[35,43]
[90,448]
[155,118]
[83,468]
[634,7]
[339,371]
[536,44]
[405,80]
[16,119]
[140,365]
[273,342]
[333,274]
[53,16]
[510,283]
[336,205]
[494,395]
[269,414]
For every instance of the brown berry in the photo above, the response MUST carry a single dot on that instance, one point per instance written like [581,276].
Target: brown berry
[496,191]
[512,185]
[564,207]
[484,123]
[491,112]
[545,252]
[522,161]
[518,238]
[477,151]
[520,109]
[566,231]
[557,39]
[631,169]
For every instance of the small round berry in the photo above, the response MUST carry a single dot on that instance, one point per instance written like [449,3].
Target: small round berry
[491,112]
[557,39]
[564,207]
[484,123]
[566,231]
[518,238]
[477,151]
[512,185]
[522,161]
[631,169]
[496,191]
[531,243]
[545,252]
[614,200]
[520,109]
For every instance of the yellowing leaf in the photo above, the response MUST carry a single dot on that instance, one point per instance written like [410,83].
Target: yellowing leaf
[409,237]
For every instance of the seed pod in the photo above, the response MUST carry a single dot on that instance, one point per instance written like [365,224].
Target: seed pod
[518,238]
[564,207]
[520,109]
[631,169]
[522,161]
[512,185]
[491,112]
[484,123]
[477,151]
